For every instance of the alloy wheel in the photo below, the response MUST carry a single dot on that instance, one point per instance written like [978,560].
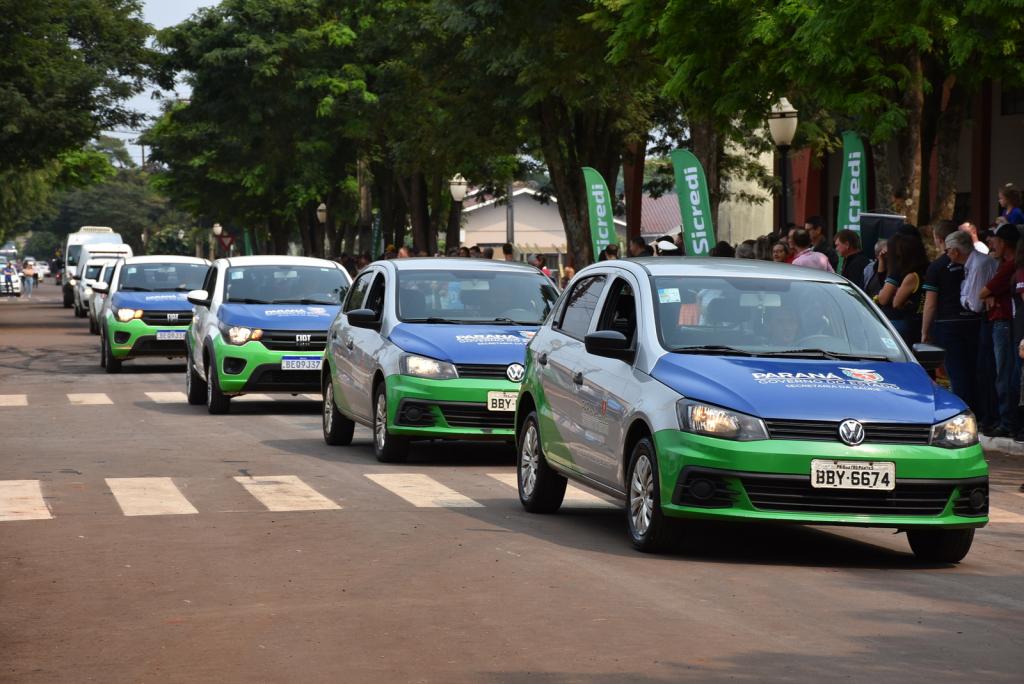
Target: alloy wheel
[329,407]
[528,459]
[641,494]
[380,424]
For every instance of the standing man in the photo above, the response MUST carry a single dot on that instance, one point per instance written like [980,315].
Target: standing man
[508,252]
[978,270]
[816,228]
[945,321]
[806,256]
[638,248]
[998,294]
[854,260]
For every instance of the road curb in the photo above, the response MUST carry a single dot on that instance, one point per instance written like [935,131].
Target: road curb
[1003,445]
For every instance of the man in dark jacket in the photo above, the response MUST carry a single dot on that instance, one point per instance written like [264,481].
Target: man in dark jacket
[819,240]
[854,260]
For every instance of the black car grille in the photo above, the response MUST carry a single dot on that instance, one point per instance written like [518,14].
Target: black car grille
[271,377]
[485,371]
[155,347]
[289,340]
[828,431]
[795,493]
[160,317]
[475,416]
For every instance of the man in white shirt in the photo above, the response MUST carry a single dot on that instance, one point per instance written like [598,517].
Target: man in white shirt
[978,269]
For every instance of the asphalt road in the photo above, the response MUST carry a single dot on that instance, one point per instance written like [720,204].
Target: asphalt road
[174,546]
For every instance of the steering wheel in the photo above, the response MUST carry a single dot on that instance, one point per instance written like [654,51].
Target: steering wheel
[519,314]
[816,341]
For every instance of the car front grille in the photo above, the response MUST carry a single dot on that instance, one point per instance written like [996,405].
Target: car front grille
[485,371]
[161,317]
[795,493]
[271,377]
[294,340]
[828,431]
[475,416]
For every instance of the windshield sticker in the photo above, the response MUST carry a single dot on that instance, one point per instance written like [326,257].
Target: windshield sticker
[890,343]
[668,295]
[857,379]
[309,311]
[528,334]
[490,339]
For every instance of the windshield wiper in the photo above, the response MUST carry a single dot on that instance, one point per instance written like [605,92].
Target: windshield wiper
[132,288]
[825,354]
[713,349]
[301,301]
[173,289]
[246,300]
[432,319]
[506,320]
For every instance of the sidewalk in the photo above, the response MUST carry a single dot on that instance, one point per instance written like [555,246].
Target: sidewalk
[1002,444]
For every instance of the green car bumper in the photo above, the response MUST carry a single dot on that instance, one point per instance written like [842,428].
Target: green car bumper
[136,338]
[704,477]
[251,367]
[448,409]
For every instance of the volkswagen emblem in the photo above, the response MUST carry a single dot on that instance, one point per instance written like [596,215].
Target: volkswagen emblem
[851,432]
[515,372]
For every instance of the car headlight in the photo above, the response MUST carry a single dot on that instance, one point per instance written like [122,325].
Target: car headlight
[239,334]
[959,431]
[425,367]
[125,315]
[713,421]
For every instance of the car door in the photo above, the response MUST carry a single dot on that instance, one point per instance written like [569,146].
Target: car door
[203,317]
[560,364]
[341,343]
[609,387]
[361,348]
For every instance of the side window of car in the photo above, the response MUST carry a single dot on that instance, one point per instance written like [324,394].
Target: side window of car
[358,292]
[375,298]
[580,306]
[619,313]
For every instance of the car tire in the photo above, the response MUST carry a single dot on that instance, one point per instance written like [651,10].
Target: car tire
[68,300]
[79,312]
[195,386]
[648,529]
[541,489]
[940,546]
[337,428]
[386,447]
[107,360]
[217,403]
[93,328]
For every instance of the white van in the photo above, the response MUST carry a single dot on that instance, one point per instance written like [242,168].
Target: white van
[72,254]
[96,253]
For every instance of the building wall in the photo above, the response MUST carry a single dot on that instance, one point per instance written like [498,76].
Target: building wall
[1007,152]
[739,221]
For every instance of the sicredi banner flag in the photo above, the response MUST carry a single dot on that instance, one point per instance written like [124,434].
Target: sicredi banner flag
[854,183]
[599,206]
[694,204]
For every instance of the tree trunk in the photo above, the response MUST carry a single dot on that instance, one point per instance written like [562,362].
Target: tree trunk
[438,189]
[279,234]
[908,144]
[364,178]
[451,235]
[419,211]
[947,145]
[307,239]
[707,147]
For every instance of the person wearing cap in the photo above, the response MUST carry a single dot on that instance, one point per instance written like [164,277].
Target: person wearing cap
[998,297]
[666,248]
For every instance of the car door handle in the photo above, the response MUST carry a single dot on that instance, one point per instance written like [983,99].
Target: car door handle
[578,379]
[543,359]
[348,344]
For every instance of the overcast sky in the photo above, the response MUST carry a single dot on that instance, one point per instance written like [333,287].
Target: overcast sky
[161,14]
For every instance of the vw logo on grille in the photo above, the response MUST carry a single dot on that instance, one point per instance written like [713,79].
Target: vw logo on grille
[851,432]
[515,372]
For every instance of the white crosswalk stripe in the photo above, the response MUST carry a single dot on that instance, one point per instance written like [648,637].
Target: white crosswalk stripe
[1001,516]
[149,496]
[22,500]
[422,491]
[574,497]
[13,400]
[89,399]
[286,493]
[168,397]
[254,397]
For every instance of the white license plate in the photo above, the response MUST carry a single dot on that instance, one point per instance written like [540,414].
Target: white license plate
[301,363]
[170,335]
[853,474]
[502,401]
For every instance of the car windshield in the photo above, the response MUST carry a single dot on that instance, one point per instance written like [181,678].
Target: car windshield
[73,252]
[770,317]
[324,285]
[162,277]
[483,296]
[93,271]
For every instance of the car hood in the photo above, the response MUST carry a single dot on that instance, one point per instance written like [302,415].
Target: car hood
[484,344]
[151,301]
[278,316]
[810,389]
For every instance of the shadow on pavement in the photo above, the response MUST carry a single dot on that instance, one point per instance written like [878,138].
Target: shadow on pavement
[440,454]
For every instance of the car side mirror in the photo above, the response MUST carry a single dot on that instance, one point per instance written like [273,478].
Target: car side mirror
[100,287]
[198,297]
[364,318]
[929,356]
[610,343]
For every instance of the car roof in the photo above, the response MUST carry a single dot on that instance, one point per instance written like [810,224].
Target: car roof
[719,267]
[157,259]
[456,264]
[278,260]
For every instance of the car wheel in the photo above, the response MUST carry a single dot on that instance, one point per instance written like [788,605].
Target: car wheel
[648,528]
[195,386]
[386,447]
[78,312]
[541,489]
[940,546]
[68,300]
[93,328]
[337,428]
[108,361]
[216,401]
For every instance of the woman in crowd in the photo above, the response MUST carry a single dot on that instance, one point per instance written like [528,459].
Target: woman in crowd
[780,252]
[901,297]
[1009,200]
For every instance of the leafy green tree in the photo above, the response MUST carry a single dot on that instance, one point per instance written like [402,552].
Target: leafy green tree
[43,244]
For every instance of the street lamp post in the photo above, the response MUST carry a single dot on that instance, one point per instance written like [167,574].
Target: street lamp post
[458,186]
[782,123]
